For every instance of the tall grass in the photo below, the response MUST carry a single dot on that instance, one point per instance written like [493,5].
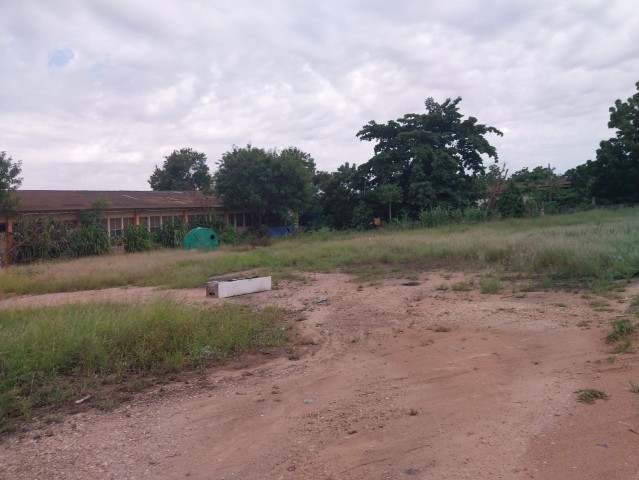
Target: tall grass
[48,355]
[588,247]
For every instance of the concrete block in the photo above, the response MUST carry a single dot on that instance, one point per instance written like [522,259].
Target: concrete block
[232,287]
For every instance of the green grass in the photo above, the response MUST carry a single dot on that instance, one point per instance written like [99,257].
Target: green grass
[589,248]
[621,328]
[49,356]
[489,285]
[633,307]
[463,286]
[621,335]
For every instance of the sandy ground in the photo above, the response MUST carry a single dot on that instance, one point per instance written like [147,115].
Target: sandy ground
[393,381]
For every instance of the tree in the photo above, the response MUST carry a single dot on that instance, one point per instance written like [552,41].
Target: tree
[433,159]
[338,194]
[183,170]
[511,202]
[268,183]
[9,180]
[615,172]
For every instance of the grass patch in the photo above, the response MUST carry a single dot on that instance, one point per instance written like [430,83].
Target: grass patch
[623,346]
[634,387]
[489,285]
[50,356]
[465,286]
[621,328]
[589,248]
[633,306]
[621,335]
[589,395]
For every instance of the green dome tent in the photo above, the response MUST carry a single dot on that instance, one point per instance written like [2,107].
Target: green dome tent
[201,238]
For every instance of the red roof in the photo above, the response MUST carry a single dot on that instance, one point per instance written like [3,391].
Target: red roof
[34,201]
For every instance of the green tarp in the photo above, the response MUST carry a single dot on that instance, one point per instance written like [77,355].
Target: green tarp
[201,238]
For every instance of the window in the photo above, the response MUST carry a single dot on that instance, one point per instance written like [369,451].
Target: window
[231,219]
[239,219]
[128,221]
[155,223]
[144,221]
[3,227]
[115,227]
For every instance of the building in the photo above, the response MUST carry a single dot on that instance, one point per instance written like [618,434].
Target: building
[120,208]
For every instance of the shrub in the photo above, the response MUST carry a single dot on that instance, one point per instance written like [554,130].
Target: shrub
[39,239]
[171,234]
[89,240]
[229,236]
[136,238]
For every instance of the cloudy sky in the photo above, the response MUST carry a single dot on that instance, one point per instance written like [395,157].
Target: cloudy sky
[95,93]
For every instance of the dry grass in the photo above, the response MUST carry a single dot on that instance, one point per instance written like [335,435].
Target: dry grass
[590,248]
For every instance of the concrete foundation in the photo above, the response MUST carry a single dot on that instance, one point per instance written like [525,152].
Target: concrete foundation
[232,287]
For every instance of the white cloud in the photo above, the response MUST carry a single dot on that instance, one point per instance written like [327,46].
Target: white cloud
[94,94]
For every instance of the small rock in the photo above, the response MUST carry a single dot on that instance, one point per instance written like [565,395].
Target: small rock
[291,468]
[412,471]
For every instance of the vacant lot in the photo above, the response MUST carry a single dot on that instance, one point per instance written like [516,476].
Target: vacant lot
[420,377]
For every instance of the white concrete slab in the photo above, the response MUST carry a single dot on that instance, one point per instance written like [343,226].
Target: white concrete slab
[240,286]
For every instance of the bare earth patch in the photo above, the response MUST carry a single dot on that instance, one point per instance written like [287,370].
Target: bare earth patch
[385,381]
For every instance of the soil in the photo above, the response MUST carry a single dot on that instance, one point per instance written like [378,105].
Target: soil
[384,381]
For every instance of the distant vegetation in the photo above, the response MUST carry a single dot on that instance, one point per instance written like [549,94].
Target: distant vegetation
[587,249]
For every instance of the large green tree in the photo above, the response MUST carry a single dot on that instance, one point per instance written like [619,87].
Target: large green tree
[268,183]
[10,180]
[338,194]
[183,170]
[435,158]
[615,172]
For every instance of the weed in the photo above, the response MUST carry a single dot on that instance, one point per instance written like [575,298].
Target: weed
[442,329]
[442,287]
[634,387]
[464,286]
[623,346]
[589,395]
[633,307]
[107,404]
[621,328]
[489,285]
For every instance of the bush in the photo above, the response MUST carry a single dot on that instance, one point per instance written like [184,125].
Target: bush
[136,238]
[89,240]
[39,239]
[229,236]
[171,234]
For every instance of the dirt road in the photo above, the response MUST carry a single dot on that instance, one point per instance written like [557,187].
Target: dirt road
[387,381]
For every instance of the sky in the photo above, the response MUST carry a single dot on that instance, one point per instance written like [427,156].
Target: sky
[95,93]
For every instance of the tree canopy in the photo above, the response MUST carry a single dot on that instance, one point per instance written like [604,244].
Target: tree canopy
[183,170]
[615,172]
[10,179]
[267,183]
[431,159]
